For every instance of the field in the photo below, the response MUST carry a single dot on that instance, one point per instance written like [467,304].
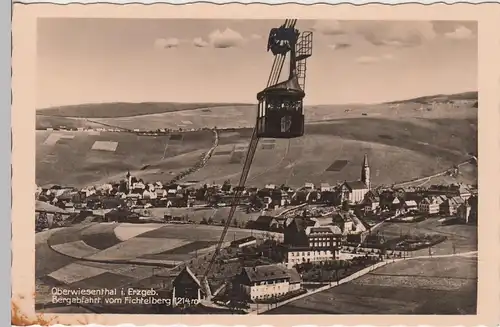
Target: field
[62,255]
[113,110]
[74,162]
[333,152]
[416,138]
[460,238]
[420,286]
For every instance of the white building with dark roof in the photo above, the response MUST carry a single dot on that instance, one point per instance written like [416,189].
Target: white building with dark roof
[310,243]
[268,281]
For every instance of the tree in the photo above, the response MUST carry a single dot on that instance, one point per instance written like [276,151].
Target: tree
[41,222]
[57,220]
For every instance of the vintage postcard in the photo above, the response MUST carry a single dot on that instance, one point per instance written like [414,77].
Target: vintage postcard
[320,163]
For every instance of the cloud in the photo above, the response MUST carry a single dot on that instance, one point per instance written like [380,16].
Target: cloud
[460,33]
[328,27]
[200,43]
[227,38]
[365,60]
[339,46]
[396,34]
[166,43]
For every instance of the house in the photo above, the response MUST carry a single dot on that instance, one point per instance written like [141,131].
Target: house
[267,281]
[325,187]
[187,286]
[396,204]
[330,197]
[371,202]
[279,198]
[429,205]
[267,223]
[348,223]
[450,206]
[309,186]
[244,242]
[353,192]
[149,194]
[410,206]
[270,187]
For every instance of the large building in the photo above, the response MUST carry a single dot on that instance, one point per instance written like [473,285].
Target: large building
[355,191]
[268,281]
[303,243]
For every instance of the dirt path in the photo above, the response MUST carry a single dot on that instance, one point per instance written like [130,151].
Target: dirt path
[203,161]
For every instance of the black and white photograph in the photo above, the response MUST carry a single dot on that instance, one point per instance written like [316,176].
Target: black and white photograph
[256,167]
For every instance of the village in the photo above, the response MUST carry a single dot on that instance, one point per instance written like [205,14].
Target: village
[316,234]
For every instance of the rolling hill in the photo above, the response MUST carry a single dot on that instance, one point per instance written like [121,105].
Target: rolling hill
[403,141]
[119,109]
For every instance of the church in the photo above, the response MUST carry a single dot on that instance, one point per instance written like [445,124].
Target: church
[355,191]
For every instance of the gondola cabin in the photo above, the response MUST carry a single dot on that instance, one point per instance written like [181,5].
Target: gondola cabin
[280,111]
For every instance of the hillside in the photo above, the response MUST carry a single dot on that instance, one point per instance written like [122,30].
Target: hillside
[441,98]
[403,142]
[119,109]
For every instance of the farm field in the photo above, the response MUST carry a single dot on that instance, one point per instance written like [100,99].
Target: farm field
[420,286]
[73,161]
[62,255]
[460,238]
[117,109]
[417,138]
[417,148]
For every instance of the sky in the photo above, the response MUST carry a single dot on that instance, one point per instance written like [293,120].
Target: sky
[89,60]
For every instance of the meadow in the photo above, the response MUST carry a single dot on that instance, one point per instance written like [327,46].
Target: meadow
[62,255]
[419,286]
[398,150]
[403,140]
[73,161]
[459,237]
[119,109]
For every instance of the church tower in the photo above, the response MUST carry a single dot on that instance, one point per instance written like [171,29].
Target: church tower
[365,173]
[129,181]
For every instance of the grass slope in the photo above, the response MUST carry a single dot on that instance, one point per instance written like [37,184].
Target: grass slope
[416,139]
[119,109]
[398,150]
[72,162]
[452,290]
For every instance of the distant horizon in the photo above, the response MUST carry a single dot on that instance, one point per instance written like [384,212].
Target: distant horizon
[90,61]
[255,103]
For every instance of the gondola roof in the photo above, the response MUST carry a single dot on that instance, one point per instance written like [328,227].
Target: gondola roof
[289,87]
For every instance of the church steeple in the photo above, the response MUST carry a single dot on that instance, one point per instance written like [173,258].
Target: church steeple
[129,181]
[365,172]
